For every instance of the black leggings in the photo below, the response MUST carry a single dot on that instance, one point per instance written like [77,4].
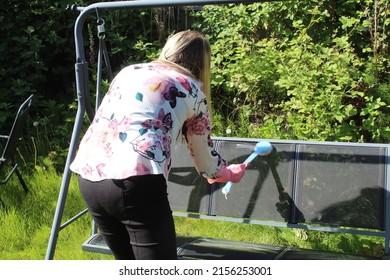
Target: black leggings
[133,215]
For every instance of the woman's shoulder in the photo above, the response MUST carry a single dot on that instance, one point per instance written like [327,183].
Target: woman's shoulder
[138,66]
[153,68]
[157,70]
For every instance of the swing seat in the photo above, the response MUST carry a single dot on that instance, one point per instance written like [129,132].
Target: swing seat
[12,141]
[274,192]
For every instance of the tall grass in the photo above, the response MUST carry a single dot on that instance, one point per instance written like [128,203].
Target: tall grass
[26,219]
[323,241]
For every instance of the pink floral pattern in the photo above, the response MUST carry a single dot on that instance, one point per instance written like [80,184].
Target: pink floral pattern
[198,125]
[138,122]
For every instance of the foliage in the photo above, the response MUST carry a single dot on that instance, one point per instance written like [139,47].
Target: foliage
[38,58]
[291,81]
[299,70]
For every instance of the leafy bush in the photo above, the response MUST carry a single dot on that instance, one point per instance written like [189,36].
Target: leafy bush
[292,70]
[38,58]
[307,75]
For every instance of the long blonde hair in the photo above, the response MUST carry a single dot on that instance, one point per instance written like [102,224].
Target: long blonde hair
[191,52]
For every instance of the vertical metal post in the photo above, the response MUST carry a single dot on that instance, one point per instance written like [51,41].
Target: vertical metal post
[67,173]
[81,72]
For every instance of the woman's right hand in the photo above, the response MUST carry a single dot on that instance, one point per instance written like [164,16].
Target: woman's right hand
[232,173]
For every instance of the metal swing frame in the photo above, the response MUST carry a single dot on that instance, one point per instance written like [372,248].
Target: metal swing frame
[84,107]
[83,94]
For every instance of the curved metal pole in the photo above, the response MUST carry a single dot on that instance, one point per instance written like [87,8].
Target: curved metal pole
[86,11]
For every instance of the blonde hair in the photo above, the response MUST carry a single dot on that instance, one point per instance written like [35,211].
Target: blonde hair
[190,51]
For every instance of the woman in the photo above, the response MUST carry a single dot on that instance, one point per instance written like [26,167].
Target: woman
[125,156]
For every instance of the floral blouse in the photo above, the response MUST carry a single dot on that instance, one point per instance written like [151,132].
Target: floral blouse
[147,108]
